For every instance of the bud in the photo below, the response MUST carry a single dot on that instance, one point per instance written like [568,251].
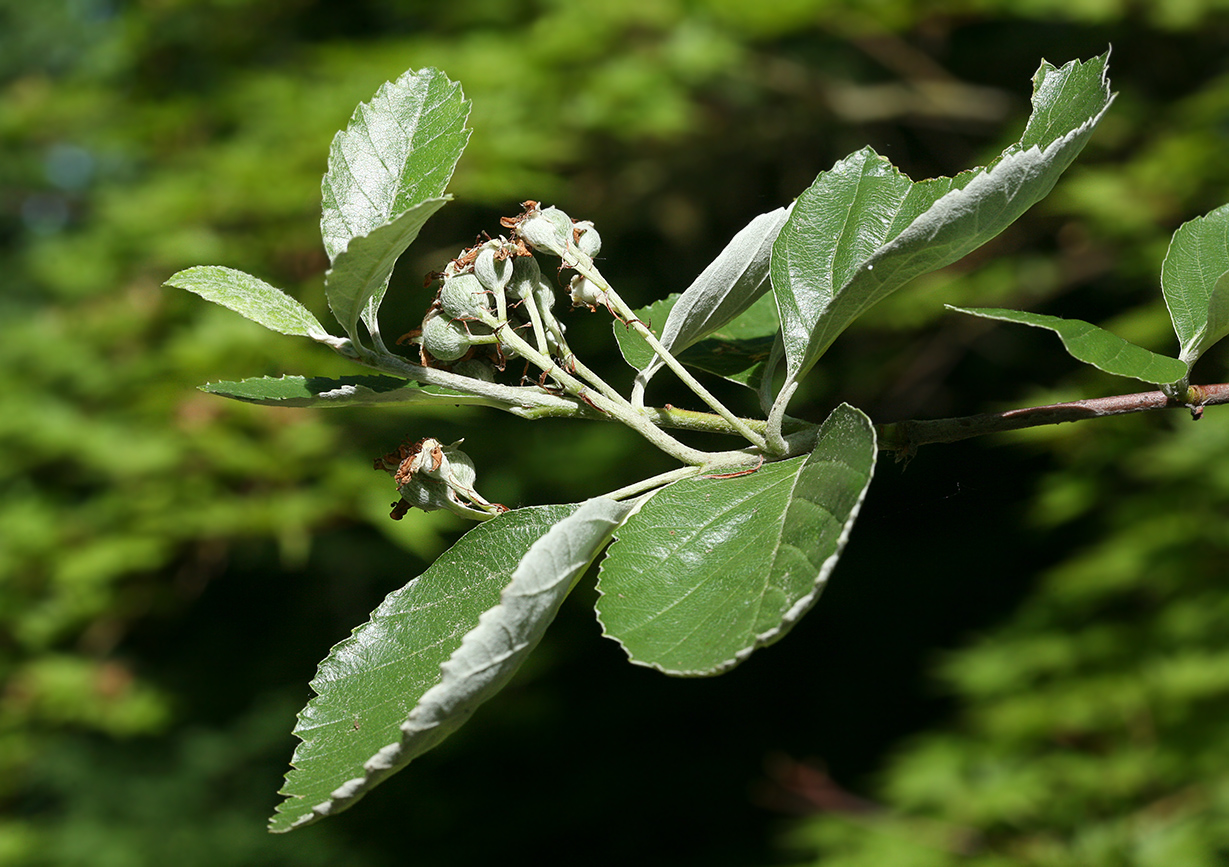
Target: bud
[526,275]
[586,293]
[588,241]
[545,229]
[493,266]
[475,368]
[445,340]
[431,476]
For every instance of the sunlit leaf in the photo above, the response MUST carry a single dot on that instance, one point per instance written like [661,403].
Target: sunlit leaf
[251,297]
[710,569]
[398,152]
[1096,346]
[864,229]
[436,649]
[355,284]
[1195,281]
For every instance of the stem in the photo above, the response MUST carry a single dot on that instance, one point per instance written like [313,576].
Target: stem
[904,437]
[523,401]
[584,265]
[619,409]
[654,482]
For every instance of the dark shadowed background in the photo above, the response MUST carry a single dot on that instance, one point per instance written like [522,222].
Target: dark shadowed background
[1022,657]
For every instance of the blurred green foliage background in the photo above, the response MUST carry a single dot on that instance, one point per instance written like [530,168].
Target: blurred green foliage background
[1023,657]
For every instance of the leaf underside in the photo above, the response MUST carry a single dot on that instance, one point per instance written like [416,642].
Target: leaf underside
[724,290]
[737,351]
[710,569]
[369,390]
[435,650]
[864,229]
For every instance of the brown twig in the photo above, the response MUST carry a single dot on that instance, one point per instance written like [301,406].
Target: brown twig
[904,437]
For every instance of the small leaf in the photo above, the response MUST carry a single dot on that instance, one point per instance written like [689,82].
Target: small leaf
[399,149]
[1195,281]
[1096,346]
[437,648]
[864,229]
[740,361]
[355,284]
[635,351]
[251,297]
[710,569]
[323,391]
[736,351]
[728,286]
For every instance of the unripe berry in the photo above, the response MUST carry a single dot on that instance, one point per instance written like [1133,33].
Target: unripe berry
[445,340]
[464,297]
[588,241]
[493,266]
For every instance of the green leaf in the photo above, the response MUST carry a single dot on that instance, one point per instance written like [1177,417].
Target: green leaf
[398,152]
[635,351]
[728,286]
[251,297]
[324,391]
[864,229]
[740,350]
[710,569]
[355,284]
[737,351]
[435,650]
[740,361]
[1096,346]
[1195,281]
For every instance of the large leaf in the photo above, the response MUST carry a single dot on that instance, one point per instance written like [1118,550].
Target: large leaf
[251,297]
[355,284]
[398,151]
[1195,281]
[728,286]
[435,650]
[710,569]
[1096,346]
[864,229]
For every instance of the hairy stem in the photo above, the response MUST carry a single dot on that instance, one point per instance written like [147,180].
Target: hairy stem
[584,265]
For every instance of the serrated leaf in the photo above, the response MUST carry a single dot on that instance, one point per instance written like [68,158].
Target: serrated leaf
[250,297]
[728,286]
[398,152]
[864,229]
[710,569]
[1195,282]
[355,284]
[399,149]
[323,391]
[435,650]
[1102,349]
